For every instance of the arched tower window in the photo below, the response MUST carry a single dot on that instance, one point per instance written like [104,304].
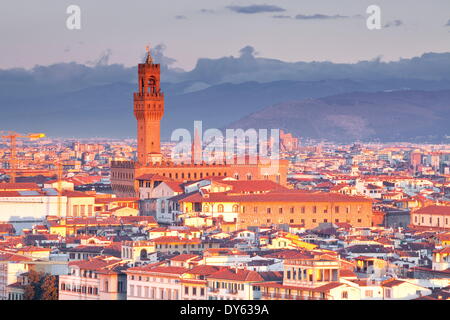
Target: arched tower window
[220,208]
[152,85]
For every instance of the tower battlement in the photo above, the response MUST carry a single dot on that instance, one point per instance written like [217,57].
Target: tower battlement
[144,66]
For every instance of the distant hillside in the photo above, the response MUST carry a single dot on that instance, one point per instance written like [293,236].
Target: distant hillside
[383,116]
[107,110]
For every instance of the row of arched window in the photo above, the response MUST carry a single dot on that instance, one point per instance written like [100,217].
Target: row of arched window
[79,289]
[220,208]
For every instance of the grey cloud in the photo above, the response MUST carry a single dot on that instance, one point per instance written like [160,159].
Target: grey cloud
[319,16]
[180,17]
[281,16]
[256,8]
[103,60]
[207,11]
[159,57]
[448,23]
[395,23]
[248,51]
[245,67]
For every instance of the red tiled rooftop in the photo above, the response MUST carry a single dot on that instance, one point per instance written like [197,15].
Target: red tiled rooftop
[434,210]
[18,186]
[288,196]
[183,257]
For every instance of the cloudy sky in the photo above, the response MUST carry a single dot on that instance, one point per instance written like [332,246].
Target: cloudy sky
[34,32]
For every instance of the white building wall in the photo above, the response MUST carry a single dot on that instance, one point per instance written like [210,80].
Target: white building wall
[30,207]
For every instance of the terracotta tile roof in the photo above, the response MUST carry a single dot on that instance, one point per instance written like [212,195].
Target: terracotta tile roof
[288,196]
[329,286]
[16,285]
[237,275]
[443,250]
[204,270]
[152,269]
[109,200]
[4,194]
[97,263]
[172,239]
[392,283]
[18,186]
[6,256]
[33,249]
[6,228]
[136,219]
[345,273]
[76,194]
[289,254]
[240,186]
[81,180]
[175,186]
[434,210]
[183,257]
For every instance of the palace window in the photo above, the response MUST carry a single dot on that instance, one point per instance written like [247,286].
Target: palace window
[220,208]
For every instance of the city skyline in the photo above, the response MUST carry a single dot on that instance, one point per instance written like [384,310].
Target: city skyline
[278,173]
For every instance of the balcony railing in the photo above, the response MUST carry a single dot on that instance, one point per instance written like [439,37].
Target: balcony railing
[282,296]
